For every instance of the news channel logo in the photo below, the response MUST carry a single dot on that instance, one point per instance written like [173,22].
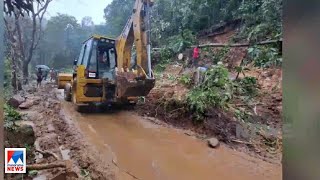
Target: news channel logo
[15,160]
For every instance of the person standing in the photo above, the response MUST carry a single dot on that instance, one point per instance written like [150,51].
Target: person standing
[195,56]
[52,74]
[45,74]
[39,77]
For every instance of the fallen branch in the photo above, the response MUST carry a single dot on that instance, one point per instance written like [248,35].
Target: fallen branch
[176,110]
[239,45]
[249,105]
[47,154]
[241,142]
[46,166]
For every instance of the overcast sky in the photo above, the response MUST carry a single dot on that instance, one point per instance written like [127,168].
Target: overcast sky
[79,9]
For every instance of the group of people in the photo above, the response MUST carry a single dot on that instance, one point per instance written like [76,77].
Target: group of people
[42,75]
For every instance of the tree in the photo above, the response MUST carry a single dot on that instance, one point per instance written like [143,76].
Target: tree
[87,22]
[116,15]
[23,6]
[101,29]
[22,44]
[62,38]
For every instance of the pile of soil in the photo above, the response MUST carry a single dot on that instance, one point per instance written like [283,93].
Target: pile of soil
[166,102]
[56,134]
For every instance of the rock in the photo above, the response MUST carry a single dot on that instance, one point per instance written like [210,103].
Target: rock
[27,134]
[213,142]
[26,105]
[190,133]
[31,89]
[16,100]
[27,129]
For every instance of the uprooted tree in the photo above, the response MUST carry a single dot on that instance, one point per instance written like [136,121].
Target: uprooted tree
[20,16]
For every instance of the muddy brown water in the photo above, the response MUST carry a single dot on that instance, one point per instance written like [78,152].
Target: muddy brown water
[150,152]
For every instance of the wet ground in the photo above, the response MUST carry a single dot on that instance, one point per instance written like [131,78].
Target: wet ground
[139,149]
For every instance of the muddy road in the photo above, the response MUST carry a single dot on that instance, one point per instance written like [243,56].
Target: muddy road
[140,149]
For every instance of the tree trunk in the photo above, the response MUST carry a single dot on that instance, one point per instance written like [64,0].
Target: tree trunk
[14,82]
[25,70]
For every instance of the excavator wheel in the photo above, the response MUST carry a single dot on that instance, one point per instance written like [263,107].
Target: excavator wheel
[67,92]
[128,106]
[79,108]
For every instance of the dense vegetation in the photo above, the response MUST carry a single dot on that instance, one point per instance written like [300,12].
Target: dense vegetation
[63,35]
[261,19]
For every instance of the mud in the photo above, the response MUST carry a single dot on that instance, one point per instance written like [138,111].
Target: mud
[123,145]
[141,149]
[58,135]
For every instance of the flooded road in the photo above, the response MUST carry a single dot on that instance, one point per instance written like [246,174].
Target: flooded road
[142,150]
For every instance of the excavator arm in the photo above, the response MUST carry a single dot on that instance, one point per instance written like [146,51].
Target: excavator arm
[136,31]
[137,81]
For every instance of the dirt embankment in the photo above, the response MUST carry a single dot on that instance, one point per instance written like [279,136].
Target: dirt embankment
[59,140]
[165,102]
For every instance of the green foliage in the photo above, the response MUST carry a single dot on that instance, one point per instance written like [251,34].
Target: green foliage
[33,173]
[10,116]
[247,86]
[165,56]
[264,56]
[8,90]
[116,14]
[182,41]
[62,39]
[215,91]
[185,79]
[220,55]
[242,115]
[241,69]
[172,77]
[60,59]
[160,67]
[28,148]
[7,72]
[262,18]
[85,174]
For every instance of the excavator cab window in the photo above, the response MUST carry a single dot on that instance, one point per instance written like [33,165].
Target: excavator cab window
[92,65]
[87,53]
[83,49]
[106,59]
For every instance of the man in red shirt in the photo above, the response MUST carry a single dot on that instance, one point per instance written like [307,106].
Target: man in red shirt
[195,56]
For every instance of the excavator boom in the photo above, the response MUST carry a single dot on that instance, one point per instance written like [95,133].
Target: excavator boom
[136,32]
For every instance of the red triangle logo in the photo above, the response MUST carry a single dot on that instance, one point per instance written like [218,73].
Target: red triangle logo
[10,154]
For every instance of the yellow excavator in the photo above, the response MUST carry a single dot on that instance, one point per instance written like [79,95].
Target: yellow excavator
[105,71]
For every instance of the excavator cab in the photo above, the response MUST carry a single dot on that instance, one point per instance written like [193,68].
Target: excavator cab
[99,58]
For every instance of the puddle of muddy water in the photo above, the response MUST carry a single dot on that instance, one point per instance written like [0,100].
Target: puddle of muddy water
[153,152]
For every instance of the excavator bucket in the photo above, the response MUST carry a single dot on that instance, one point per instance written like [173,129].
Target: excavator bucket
[130,86]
